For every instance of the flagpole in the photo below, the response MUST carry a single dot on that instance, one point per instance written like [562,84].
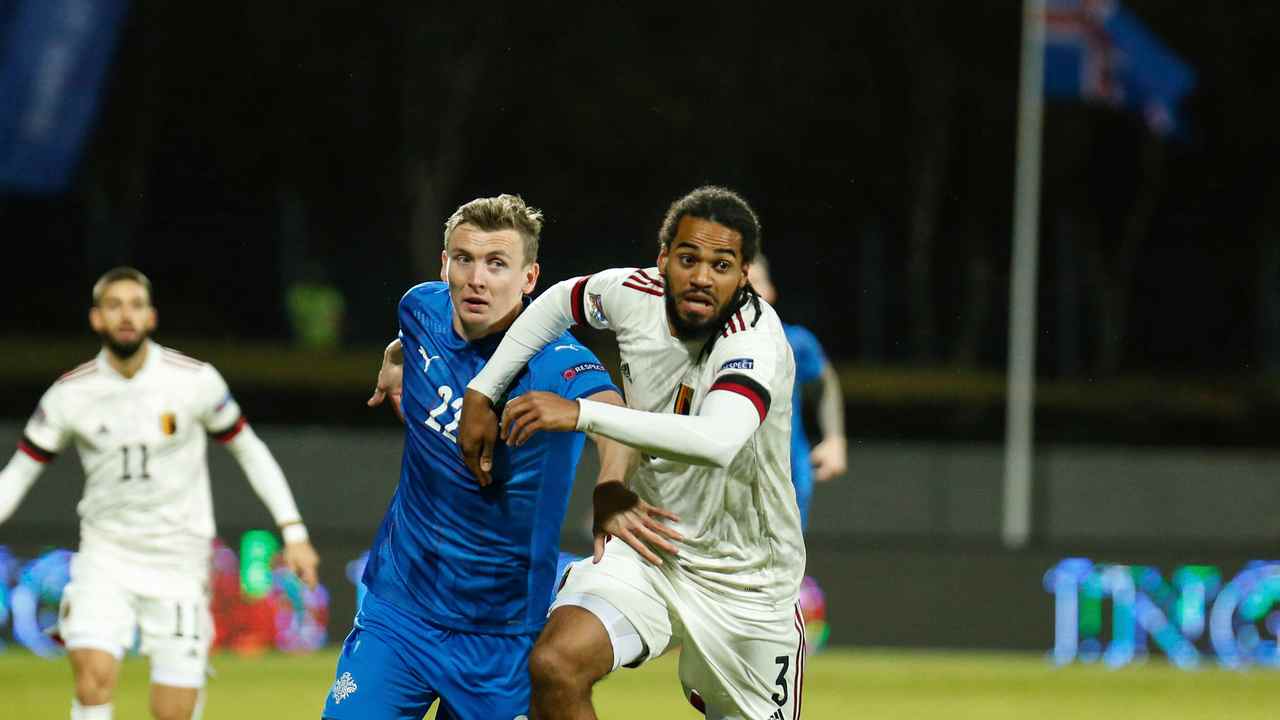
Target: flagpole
[1016,527]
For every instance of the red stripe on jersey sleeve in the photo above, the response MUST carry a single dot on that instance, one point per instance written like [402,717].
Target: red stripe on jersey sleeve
[643,288]
[747,388]
[230,433]
[35,452]
[575,301]
[652,281]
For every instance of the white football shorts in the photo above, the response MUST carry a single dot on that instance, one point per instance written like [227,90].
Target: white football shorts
[107,605]
[737,661]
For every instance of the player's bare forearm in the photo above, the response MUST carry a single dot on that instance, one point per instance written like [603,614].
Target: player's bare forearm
[477,434]
[831,406]
[616,460]
[830,458]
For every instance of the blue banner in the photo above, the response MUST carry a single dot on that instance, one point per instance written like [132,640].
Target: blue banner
[1097,51]
[53,58]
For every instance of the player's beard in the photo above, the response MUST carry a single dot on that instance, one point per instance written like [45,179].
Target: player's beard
[122,350]
[688,330]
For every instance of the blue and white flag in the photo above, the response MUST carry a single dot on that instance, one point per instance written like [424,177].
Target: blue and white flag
[1097,51]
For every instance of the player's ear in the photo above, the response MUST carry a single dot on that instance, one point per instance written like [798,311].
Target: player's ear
[746,267]
[444,265]
[95,319]
[531,277]
[153,319]
[662,260]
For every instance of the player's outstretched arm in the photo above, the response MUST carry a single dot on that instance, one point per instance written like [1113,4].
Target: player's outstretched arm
[16,479]
[540,324]
[711,437]
[830,457]
[268,481]
[390,382]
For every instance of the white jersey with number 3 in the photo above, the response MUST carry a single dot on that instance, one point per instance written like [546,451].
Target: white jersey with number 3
[741,523]
[142,443]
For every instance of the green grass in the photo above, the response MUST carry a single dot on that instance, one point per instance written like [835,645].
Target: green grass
[863,684]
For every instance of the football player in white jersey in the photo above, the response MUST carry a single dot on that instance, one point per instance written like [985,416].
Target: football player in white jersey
[708,377]
[138,414]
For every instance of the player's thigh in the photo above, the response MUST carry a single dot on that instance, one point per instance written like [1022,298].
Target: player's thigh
[375,681]
[95,612]
[484,677]
[173,703]
[736,665]
[177,632]
[623,581]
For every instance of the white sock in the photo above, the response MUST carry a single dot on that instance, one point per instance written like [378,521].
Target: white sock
[90,712]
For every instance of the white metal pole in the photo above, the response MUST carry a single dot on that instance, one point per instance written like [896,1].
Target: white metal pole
[1016,529]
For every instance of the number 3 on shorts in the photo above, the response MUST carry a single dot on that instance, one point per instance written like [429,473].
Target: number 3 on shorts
[785,662]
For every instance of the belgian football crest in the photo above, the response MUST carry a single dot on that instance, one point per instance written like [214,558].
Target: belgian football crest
[684,400]
[169,423]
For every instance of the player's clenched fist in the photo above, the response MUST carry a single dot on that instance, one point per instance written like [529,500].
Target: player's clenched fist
[536,411]
[477,433]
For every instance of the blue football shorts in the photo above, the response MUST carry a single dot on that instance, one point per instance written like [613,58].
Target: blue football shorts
[394,665]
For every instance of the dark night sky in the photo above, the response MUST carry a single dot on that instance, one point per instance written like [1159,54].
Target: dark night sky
[218,116]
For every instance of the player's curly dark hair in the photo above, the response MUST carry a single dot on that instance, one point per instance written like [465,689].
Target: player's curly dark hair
[719,205]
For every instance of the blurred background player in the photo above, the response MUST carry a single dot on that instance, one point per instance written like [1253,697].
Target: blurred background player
[829,458]
[460,576]
[708,377]
[138,414]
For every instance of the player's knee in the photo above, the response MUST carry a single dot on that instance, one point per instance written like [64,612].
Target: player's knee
[550,667]
[95,685]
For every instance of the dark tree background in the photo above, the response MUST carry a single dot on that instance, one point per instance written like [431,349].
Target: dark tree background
[244,147]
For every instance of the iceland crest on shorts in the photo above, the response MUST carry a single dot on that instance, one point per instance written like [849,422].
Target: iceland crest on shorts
[344,687]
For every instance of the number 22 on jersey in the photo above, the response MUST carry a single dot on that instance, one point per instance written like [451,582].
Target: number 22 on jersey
[447,402]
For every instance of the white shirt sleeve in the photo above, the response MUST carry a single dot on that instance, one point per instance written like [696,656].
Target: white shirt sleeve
[16,479]
[264,474]
[746,361]
[47,433]
[221,416]
[714,436]
[216,407]
[581,300]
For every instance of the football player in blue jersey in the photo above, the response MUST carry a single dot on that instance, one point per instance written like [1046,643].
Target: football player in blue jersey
[829,458]
[460,576]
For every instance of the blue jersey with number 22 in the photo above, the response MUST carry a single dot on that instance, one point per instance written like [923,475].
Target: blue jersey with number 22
[458,555]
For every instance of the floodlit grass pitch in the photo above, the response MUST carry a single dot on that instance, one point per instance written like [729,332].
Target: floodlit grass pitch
[857,684]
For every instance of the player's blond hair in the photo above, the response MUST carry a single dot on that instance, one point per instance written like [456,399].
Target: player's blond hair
[116,274]
[504,212]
